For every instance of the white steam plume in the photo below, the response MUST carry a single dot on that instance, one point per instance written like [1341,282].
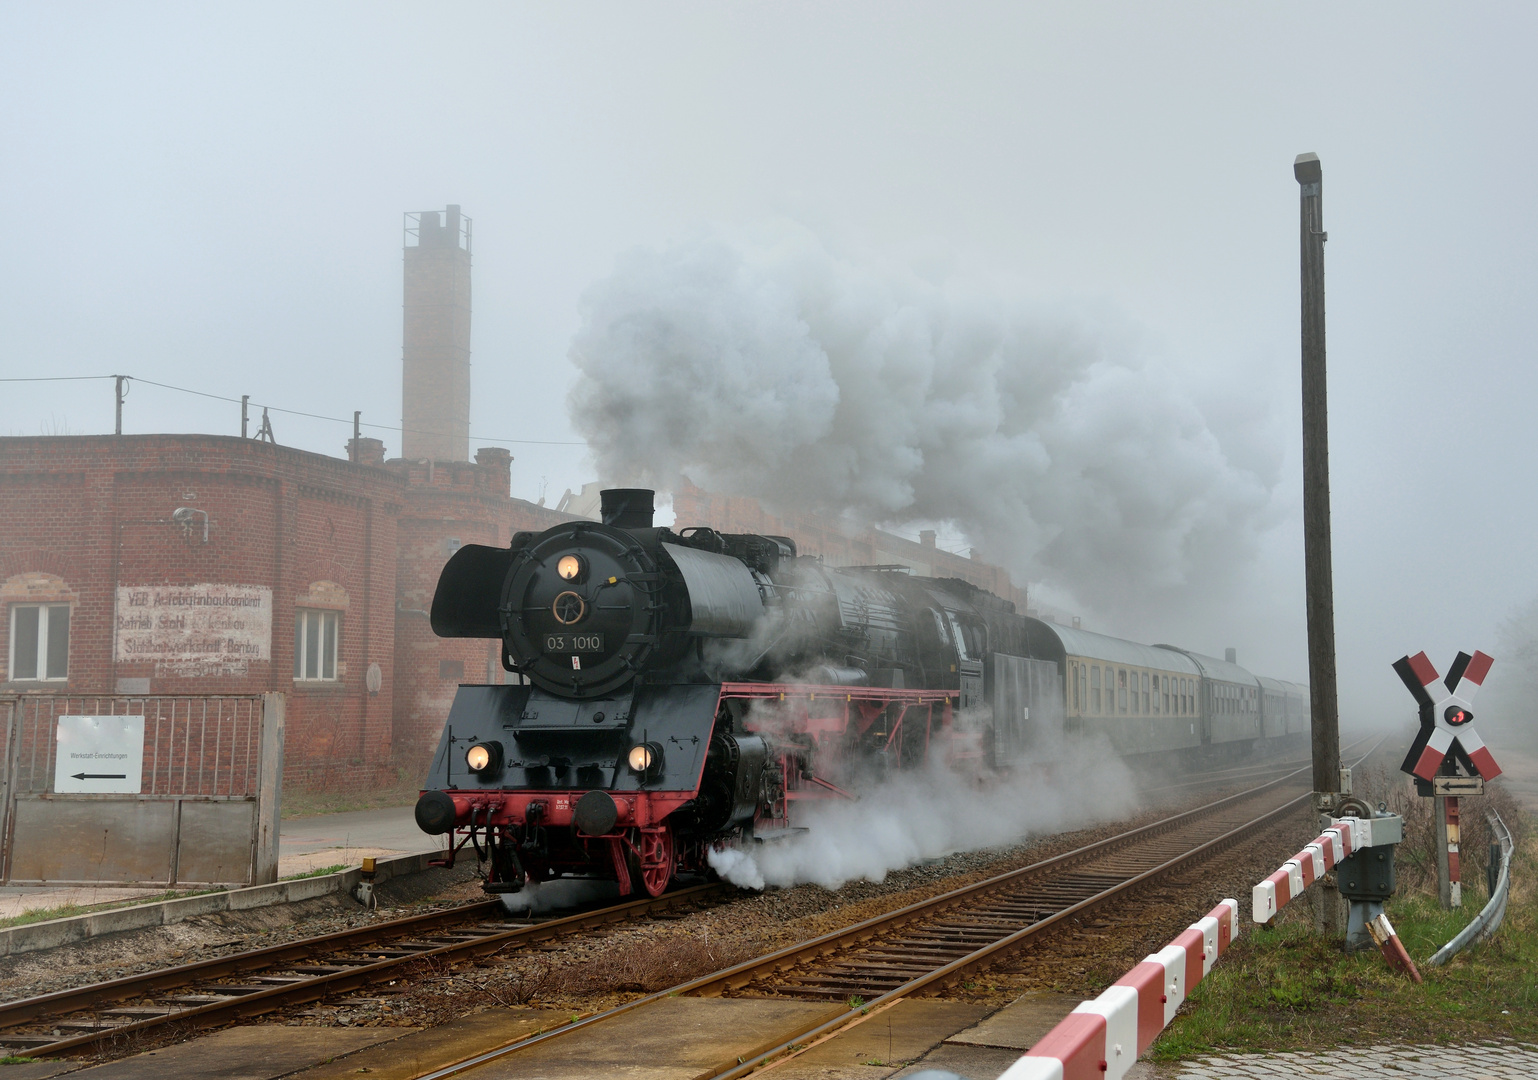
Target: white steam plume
[769,367]
[933,813]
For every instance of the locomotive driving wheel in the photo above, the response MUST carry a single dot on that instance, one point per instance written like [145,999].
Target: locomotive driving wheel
[654,853]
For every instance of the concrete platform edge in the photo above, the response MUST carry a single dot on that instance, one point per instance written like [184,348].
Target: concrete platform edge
[55,932]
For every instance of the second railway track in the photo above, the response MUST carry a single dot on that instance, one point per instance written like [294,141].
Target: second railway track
[920,947]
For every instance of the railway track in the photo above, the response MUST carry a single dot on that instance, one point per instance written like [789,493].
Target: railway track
[927,944]
[942,940]
[242,985]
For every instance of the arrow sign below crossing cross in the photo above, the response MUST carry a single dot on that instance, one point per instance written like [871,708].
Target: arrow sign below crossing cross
[100,776]
[1447,715]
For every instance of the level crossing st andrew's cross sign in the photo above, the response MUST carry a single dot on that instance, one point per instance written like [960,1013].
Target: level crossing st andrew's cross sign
[1447,716]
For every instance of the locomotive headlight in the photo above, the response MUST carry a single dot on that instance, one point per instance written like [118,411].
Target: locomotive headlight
[484,759]
[569,568]
[645,759]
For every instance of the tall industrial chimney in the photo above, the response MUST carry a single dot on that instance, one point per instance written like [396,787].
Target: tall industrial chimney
[435,400]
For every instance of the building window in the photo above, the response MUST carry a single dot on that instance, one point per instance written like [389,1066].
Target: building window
[39,642]
[315,646]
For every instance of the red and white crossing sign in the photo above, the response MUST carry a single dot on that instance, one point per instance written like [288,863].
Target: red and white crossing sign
[1447,715]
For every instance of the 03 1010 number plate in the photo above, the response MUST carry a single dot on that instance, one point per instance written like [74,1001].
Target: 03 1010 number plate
[573,643]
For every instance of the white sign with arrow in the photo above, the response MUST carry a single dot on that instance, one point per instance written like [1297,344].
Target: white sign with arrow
[99,755]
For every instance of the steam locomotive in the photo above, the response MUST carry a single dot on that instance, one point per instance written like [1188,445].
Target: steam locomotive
[672,691]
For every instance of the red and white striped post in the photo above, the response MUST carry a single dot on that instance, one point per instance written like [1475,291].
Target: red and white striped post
[1101,1039]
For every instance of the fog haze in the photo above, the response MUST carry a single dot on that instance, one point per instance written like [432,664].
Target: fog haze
[212,198]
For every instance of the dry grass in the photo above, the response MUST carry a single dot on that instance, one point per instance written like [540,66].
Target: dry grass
[1415,860]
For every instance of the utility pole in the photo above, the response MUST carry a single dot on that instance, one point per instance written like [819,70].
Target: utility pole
[121,379]
[357,433]
[1316,506]
[245,401]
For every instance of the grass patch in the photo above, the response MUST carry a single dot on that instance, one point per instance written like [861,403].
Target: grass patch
[1285,987]
[69,911]
[319,871]
[305,803]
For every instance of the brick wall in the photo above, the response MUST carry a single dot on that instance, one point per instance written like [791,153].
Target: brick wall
[448,504]
[89,520]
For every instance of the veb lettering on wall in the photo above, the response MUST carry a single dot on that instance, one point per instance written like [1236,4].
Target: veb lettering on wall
[194,631]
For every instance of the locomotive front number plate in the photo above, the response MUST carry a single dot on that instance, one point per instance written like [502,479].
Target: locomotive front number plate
[573,643]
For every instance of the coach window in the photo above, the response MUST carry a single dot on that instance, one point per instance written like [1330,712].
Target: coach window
[1121,689]
[1073,675]
[39,643]
[1084,683]
[1094,688]
[315,634]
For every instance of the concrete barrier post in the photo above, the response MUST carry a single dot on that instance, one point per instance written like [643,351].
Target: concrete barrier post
[269,807]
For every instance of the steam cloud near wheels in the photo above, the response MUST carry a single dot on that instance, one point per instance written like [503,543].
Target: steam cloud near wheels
[766,365]
[933,812]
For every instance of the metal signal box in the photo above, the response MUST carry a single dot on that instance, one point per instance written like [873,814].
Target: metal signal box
[1367,874]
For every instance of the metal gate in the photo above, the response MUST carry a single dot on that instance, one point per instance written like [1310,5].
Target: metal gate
[207,809]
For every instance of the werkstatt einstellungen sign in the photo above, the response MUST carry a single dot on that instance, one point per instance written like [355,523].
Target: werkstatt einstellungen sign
[99,755]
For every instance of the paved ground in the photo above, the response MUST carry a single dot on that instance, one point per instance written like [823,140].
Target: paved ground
[306,844]
[679,1038]
[1502,1062]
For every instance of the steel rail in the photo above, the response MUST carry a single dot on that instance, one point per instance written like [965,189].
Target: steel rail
[985,955]
[258,1002]
[740,974]
[61,1002]
[981,957]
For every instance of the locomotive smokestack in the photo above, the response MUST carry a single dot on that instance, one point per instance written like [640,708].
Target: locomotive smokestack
[626,508]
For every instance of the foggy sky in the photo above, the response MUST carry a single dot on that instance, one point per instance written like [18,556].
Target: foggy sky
[213,198]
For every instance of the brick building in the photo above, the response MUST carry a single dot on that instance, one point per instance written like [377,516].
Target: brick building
[196,564]
[208,564]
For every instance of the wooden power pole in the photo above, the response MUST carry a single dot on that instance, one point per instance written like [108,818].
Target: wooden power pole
[1316,492]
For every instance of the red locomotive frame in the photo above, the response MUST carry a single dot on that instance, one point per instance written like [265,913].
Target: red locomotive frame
[831,728]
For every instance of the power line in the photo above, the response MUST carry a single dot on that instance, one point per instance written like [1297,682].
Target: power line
[294,412]
[60,378]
